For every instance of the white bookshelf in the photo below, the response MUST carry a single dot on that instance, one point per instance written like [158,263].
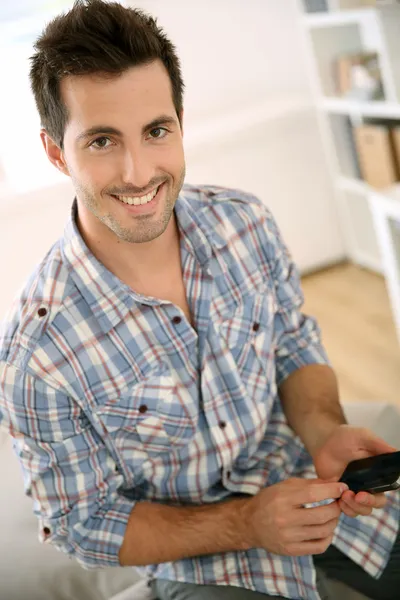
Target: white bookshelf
[335,18]
[370,219]
[385,208]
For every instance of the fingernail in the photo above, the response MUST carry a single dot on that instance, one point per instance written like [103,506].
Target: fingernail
[364,501]
[344,487]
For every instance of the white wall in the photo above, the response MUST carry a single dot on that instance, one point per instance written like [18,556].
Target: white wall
[249,123]
[28,228]
[234,52]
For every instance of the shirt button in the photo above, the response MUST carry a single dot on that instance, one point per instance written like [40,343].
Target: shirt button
[222,424]
[256,326]
[46,531]
[143,409]
[177,320]
[42,312]
[228,474]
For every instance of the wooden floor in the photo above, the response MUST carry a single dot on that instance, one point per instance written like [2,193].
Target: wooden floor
[353,311]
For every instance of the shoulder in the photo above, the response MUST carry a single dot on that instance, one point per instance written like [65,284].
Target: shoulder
[231,211]
[213,195]
[34,308]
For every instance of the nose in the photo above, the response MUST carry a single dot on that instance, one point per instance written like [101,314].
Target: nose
[138,169]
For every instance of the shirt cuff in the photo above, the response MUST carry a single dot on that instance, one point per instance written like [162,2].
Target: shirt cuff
[94,542]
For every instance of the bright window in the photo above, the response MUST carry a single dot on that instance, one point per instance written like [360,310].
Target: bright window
[23,163]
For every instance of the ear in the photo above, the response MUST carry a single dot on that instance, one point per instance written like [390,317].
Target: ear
[181,120]
[54,152]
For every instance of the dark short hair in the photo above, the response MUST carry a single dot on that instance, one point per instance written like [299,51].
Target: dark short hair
[96,37]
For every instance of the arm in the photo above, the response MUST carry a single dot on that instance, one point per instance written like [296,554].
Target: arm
[70,475]
[68,471]
[158,533]
[307,385]
[310,401]
[273,519]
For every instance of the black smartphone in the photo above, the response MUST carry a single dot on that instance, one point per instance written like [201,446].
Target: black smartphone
[375,474]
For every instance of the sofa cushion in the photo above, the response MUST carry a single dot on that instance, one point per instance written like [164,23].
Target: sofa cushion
[36,571]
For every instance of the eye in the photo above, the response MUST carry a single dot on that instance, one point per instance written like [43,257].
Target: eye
[99,143]
[158,133]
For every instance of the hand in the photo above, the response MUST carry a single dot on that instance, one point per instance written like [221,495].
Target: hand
[279,523]
[345,444]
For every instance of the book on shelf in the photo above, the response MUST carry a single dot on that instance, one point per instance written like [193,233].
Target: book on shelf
[315,6]
[358,76]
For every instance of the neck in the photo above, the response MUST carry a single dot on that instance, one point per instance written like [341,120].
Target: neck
[134,264]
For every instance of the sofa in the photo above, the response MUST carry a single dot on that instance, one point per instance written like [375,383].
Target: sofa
[34,571]
[39,572]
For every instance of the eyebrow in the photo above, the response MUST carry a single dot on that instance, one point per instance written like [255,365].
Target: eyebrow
[106,129]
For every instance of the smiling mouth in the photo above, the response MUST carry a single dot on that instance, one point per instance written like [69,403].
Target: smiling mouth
[138,200]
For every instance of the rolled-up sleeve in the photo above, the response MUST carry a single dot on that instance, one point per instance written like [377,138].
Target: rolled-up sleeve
[68,471]
[297,336]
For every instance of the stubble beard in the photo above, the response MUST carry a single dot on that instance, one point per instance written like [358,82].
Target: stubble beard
[144,228]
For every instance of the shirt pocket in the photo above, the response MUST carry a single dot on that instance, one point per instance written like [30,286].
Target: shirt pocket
[154,416]
[248,334]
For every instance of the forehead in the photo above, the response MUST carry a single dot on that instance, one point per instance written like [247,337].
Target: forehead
[136,94]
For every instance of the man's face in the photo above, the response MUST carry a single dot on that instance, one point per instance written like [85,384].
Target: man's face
[123,150]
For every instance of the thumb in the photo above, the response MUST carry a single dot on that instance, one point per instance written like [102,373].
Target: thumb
[375,445]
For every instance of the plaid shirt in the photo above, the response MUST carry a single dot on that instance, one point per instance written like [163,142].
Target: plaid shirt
[113,398]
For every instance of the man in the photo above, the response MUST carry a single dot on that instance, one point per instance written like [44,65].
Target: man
[167,398]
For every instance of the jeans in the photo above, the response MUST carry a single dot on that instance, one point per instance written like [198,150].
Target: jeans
[333,564]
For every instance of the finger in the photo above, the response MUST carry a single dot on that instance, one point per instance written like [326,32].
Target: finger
[345,508]
[316,492]
[348,496]
[310,547]
[361,501]
[318,532]
[360,509]
[371,500]
[319,515]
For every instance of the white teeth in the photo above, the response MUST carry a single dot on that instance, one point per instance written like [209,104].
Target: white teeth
[138,200]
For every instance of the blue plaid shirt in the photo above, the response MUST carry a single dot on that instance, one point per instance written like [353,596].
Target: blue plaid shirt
[113,398]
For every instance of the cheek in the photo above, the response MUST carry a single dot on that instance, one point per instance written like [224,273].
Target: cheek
[172,160]
[95,174]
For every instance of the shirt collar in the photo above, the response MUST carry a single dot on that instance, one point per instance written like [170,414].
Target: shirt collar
[108,297]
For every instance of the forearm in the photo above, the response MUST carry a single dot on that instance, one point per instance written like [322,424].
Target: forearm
[158,533]
[310,400]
